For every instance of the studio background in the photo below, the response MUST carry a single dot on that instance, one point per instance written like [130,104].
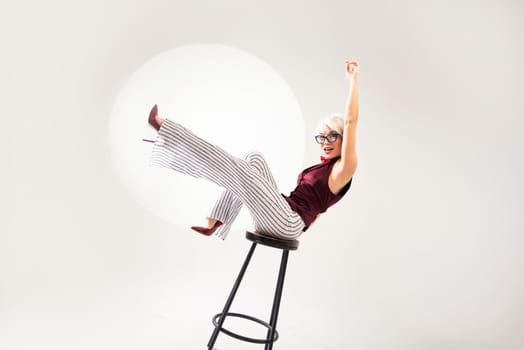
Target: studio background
[425,251]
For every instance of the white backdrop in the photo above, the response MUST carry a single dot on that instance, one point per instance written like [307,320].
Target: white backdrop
[425,252]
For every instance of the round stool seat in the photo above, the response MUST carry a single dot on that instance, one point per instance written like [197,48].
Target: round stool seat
[287,244]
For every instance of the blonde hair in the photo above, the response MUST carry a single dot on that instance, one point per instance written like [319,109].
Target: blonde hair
[334,122]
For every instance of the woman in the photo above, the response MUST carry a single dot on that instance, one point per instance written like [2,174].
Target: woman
[249,181]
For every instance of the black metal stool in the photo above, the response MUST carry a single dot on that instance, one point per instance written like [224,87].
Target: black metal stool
[272,334]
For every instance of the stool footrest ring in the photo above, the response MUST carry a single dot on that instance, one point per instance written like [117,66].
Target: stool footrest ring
[241,337]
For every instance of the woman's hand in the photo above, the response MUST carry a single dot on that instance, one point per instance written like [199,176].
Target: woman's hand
[352,69]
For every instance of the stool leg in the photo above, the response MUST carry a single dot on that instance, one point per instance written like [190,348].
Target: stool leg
[276,300]
[229,301]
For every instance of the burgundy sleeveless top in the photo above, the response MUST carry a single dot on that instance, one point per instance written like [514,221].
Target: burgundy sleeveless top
[312,195]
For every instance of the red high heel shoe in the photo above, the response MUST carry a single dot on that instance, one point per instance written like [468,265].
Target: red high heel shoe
[152,120]
[207,231]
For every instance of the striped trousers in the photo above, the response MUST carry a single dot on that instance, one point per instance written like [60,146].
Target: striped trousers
[246,181]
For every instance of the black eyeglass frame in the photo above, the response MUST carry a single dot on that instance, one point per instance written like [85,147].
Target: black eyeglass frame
[321,139]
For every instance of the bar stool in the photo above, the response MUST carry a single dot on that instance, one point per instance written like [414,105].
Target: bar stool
[272,334]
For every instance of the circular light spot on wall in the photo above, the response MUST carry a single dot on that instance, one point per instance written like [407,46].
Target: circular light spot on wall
[223,94]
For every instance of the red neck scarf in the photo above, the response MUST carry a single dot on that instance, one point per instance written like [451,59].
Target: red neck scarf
[324,159]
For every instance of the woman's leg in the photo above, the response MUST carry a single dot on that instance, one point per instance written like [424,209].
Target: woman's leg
[228,206]
[225,210]
[179,149]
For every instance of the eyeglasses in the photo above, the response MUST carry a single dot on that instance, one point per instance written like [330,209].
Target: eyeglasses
[329,138]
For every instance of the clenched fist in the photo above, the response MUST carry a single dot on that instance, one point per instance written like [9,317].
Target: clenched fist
[352,69]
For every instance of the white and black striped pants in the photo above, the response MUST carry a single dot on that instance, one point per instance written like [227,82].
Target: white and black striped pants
[246,181]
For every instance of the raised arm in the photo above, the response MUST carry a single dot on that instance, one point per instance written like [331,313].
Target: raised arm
[346,167]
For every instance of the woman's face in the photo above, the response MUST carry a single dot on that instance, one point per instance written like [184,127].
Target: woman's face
[330,143]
